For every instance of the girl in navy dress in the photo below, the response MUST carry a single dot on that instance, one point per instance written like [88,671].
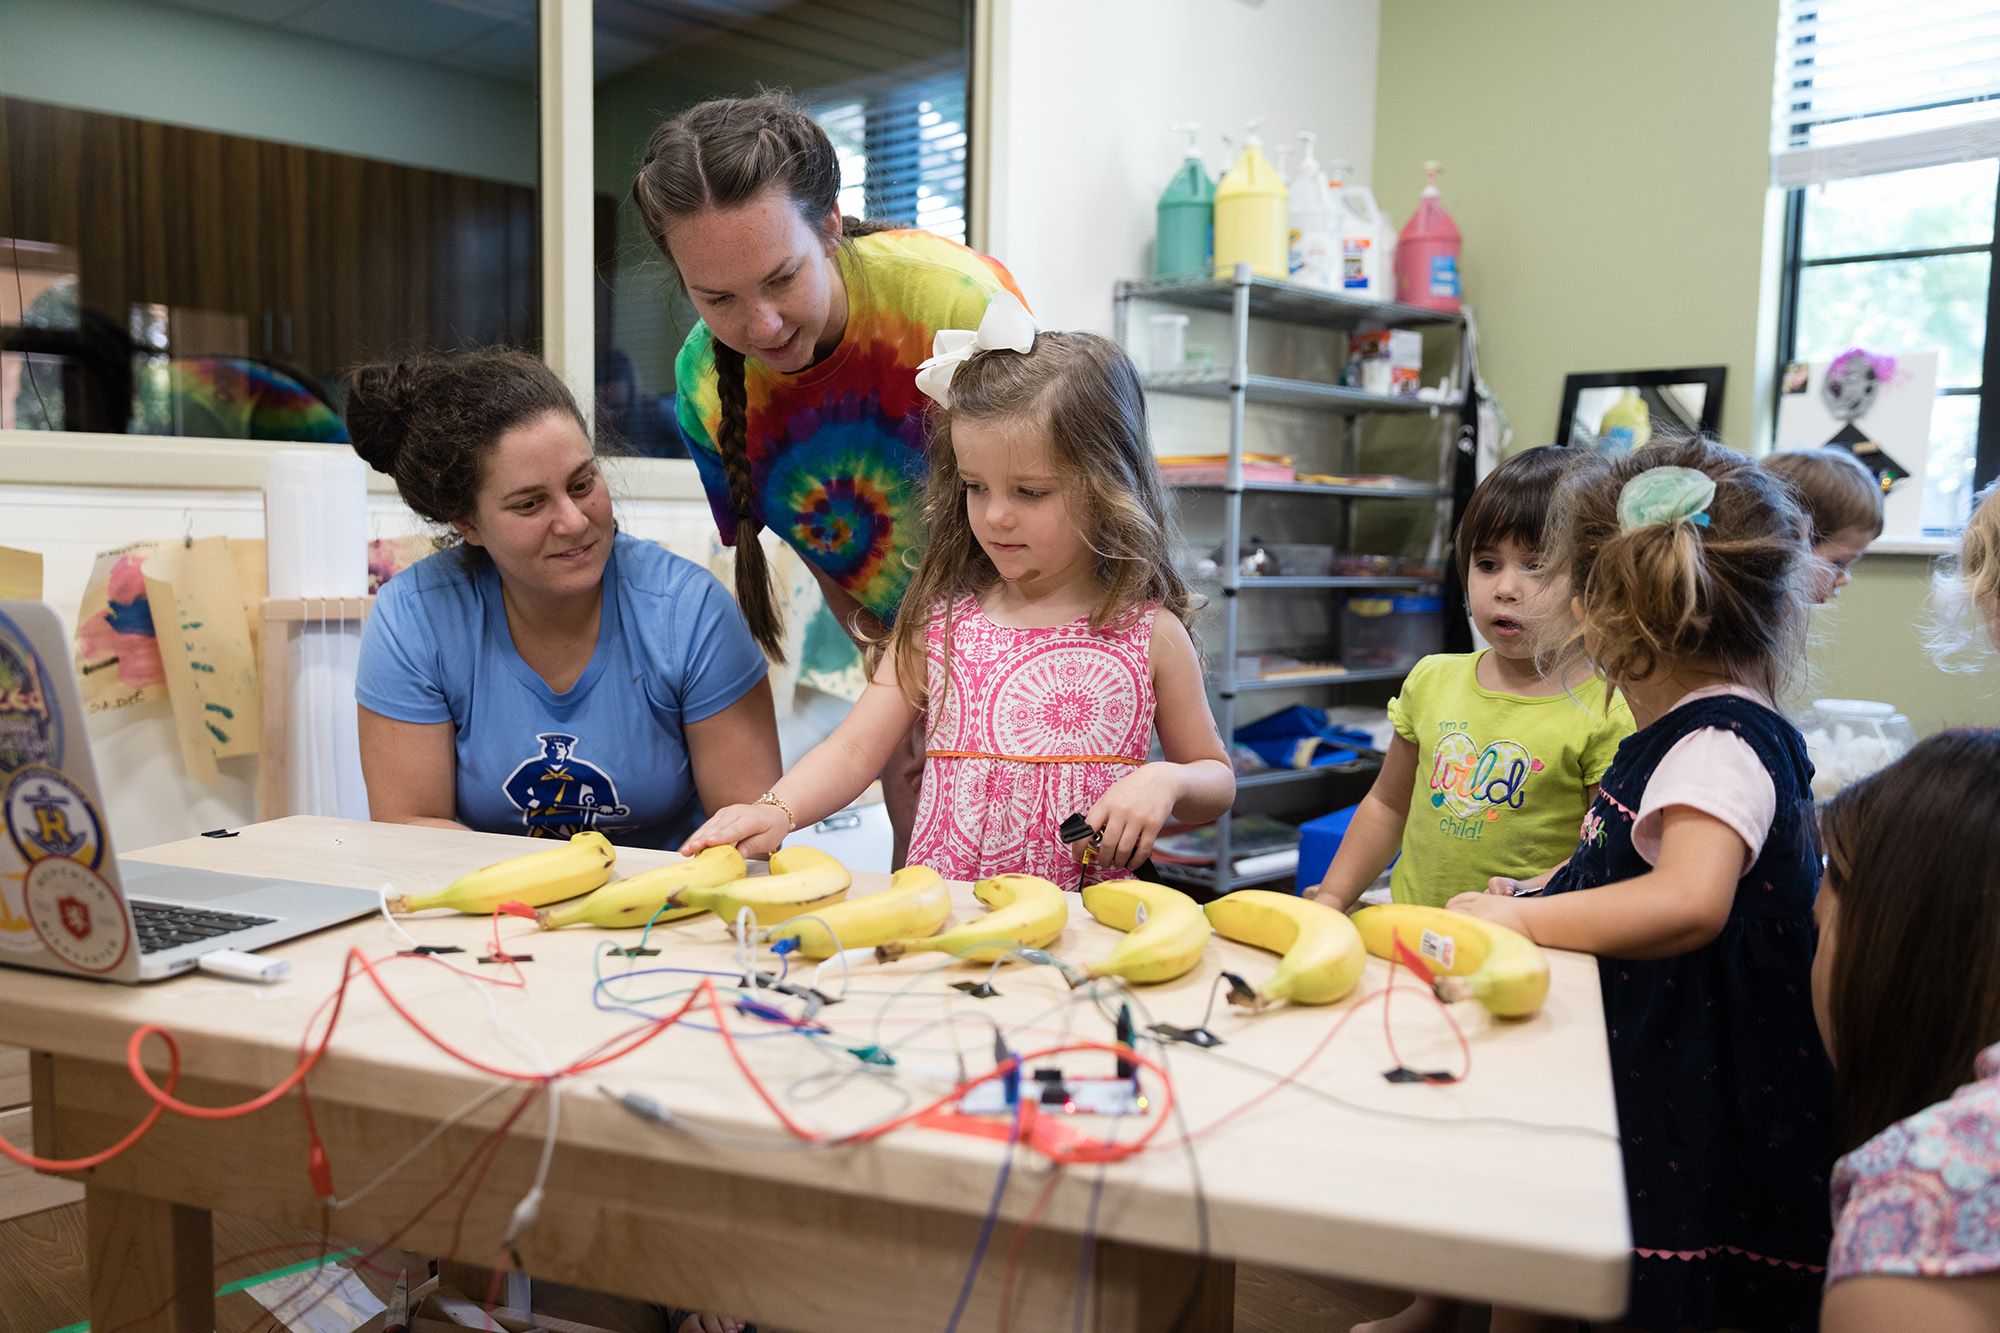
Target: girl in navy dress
[1693,883]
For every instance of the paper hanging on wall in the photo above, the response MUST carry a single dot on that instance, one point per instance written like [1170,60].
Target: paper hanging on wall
[118,659]
[390,556]
[204,645]
[248,557]
[1877,405]
[20,574]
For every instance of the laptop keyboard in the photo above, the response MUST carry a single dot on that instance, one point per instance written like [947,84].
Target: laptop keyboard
[170,925]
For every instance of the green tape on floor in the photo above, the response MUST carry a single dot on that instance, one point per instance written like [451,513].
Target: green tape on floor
[243,1284]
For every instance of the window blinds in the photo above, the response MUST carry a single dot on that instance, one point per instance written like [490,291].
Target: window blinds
[1868,86]
[902,142]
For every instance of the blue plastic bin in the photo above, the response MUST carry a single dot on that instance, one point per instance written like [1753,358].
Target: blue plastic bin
[1319,839]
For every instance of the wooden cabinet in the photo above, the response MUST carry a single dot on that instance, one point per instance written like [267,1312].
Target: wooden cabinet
[304,258]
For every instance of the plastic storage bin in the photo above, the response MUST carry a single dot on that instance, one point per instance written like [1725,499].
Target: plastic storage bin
[1389,631]
[1848,739]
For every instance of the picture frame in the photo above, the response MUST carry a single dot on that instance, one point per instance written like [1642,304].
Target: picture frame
[1688,399]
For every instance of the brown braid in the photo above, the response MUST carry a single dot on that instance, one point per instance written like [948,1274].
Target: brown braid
[753,568]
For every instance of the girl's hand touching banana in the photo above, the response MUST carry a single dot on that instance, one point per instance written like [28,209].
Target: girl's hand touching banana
[754,830]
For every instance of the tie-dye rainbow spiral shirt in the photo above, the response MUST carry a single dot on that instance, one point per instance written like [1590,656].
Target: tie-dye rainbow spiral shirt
[838,451]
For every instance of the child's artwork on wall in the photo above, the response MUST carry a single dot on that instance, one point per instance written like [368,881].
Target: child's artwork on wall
[1878,406]
[203,642]
[390,556]
[117,656]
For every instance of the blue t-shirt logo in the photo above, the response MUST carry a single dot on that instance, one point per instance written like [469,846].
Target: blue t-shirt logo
[560,796]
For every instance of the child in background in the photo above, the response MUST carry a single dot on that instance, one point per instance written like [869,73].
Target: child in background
[1694,883]
[1843,502]
[1044,635]
[1909,1003]
[1965,592]
[1493,764]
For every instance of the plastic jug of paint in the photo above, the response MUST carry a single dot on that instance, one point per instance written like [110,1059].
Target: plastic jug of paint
[1250,223]
[1184,239]
[1314,254]
[1364,237]
[1427,253]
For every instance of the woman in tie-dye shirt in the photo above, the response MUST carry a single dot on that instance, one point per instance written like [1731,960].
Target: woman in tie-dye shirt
[797,391]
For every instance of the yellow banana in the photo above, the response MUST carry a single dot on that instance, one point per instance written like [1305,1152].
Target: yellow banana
[1323,957]
[1167,944]
[802,879]
[537,879]
[634,900]
[1502,970]
[916,903]
[1026,912]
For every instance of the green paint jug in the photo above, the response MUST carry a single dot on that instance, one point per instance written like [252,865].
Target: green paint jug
[1184,236]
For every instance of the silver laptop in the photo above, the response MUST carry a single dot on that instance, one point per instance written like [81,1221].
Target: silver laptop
[66,904]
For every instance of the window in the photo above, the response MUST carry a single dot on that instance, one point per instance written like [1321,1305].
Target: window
[902,147]
[211,210]
[1888,140]
[886,79]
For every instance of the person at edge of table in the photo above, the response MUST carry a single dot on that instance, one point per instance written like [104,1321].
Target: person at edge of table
[546,675]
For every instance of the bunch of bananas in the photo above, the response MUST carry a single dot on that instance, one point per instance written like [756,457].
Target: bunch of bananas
[536,878]
[1025,912]
[1504,971]
[916,904]
[1166,931]
[637,899]
[802,879]
[1322,954]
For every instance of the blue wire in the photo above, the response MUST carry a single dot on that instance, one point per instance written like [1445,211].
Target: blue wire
[992,1217]
[602,982]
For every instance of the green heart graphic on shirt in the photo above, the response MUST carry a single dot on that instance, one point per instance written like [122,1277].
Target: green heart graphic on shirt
[1468,781]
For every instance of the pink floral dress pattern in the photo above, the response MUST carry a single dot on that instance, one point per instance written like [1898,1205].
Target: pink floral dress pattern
[1028,727]
[1922,1198]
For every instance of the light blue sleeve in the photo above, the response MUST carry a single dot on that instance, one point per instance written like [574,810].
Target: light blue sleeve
[399,673]
[719,661]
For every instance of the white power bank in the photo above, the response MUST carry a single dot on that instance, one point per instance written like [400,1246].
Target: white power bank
[243,966]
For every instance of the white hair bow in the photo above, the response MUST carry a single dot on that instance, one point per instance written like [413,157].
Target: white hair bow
[1006,323]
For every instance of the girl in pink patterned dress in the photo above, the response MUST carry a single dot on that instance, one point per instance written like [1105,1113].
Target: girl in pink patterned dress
[1044,638]
[1908,1001]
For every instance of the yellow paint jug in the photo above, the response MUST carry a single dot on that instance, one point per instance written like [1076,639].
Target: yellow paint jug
[1250,215]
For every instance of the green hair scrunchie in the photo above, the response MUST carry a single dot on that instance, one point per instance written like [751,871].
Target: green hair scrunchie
[1665,495]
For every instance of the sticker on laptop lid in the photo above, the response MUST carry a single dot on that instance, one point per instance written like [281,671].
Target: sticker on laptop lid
[30,727]
[48,816]
[78,916]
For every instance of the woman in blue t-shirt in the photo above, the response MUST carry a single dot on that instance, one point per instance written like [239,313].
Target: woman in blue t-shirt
[548,675]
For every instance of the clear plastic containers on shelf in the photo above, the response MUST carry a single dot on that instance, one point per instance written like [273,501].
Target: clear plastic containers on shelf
[1390,631]
[1848,739]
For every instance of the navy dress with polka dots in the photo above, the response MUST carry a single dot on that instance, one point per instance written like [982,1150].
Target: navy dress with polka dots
[1725,1095]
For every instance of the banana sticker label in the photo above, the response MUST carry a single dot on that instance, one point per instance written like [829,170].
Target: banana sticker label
[1471,785]
[77,916]
[1438,948]
[559,795]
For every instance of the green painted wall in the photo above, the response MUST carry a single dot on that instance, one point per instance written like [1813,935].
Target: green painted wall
[1867,645]
[1607,162]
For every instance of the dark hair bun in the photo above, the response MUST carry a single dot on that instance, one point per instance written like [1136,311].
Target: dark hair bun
[379,400]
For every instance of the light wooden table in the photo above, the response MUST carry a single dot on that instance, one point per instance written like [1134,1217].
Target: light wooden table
[874,1236]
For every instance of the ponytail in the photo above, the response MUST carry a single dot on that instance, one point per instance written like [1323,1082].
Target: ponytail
[1728,596]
